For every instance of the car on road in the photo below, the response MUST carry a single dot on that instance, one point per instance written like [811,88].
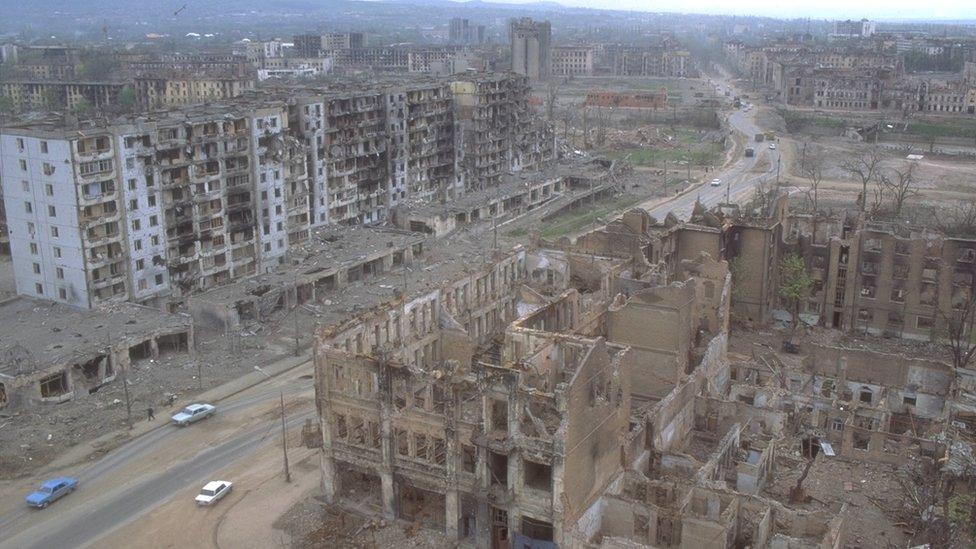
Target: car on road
[51,490]
[716,183]
[772,146]
[193,413]
[213,491]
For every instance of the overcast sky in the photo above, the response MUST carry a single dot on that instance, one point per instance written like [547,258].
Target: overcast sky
[823,9]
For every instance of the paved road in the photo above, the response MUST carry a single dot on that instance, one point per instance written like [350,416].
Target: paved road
[76,523]
[736,180]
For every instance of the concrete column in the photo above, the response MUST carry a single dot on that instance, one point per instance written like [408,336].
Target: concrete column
[328,477]
[483,526]
[451,514]
[154,348]
[389,495]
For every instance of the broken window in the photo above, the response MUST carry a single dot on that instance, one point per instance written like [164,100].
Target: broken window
[909,400]
[837,425]
[498,468]
[54,385]
[440,451]
[665,531]
[536,529]
[400,394]
[499,415]
[866,395]
[358,431]
[439,398]
[402,442]
[3,395]
[537,475]
[861,440]
[340,424]
[641,527]
[420,446]
[420,396]
[374,434]
[469,458]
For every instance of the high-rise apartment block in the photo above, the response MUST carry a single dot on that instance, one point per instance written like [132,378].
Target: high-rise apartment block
[462,31]
[531,47]
[153,207]
[312,44]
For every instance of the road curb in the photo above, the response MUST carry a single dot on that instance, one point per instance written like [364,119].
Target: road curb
[112,440]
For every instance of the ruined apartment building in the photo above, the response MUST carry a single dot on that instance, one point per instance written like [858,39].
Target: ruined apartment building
[572,61]
[499,132]
[515,439]
[883,279]
[30,94]
[429,433]
[151,207]
[158,206]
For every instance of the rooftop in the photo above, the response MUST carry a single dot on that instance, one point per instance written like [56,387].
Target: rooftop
[39,334]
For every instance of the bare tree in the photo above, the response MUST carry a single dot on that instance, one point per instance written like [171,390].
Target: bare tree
[902,187]
[959,219]
[865,166]
[957,326]
[813,169]
[552,95]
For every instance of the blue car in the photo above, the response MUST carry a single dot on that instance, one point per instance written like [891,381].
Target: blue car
[51,490]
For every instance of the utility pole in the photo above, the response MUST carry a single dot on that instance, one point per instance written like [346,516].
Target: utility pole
[294,315]
[284,439]
[125,381]
[665,175]
[778,158]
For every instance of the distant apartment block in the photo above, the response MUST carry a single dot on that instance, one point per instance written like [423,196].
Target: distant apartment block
[463,31]
[312,44]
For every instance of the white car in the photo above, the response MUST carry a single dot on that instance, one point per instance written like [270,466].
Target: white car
[213,491]
[716,183]
[192,413]
[772,146]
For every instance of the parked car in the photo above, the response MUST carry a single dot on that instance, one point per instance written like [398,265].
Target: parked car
[51,490]
[716,183]
[772,146]
[213,491]
[192,413]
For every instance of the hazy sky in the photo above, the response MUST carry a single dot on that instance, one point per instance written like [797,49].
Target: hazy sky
[823,9]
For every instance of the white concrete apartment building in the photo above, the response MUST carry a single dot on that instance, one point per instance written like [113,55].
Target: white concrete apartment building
[149,209]
[67,229]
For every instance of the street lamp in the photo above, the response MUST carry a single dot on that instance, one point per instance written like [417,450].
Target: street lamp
[284,445]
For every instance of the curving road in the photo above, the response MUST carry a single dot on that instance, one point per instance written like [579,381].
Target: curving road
[105,502]
[738,179]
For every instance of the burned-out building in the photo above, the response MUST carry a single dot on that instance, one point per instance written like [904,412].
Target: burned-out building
[50,352]
[153,207]
[499,133]
[881,278]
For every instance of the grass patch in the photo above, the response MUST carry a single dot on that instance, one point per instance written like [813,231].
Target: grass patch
[518,233]
[657,157]
[574,221]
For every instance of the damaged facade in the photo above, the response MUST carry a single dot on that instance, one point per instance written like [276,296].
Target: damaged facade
[151,208]
[52,353]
